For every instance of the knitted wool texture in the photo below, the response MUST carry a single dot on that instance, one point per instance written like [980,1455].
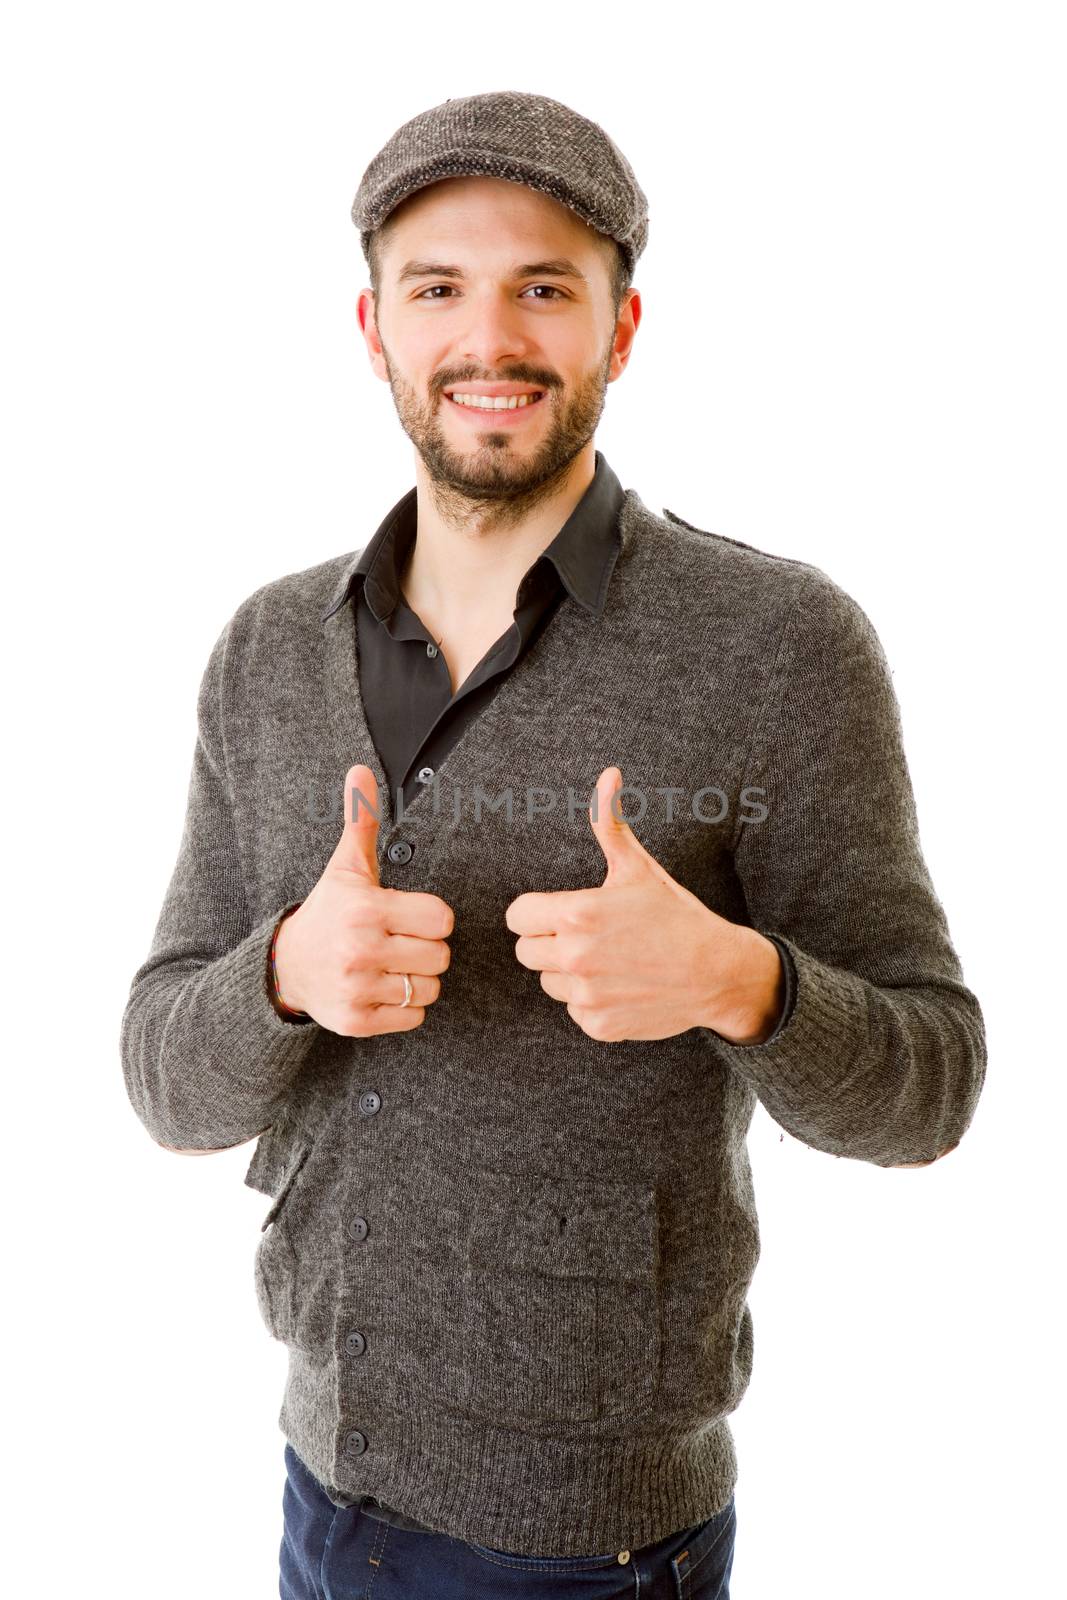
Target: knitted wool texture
[510,1261]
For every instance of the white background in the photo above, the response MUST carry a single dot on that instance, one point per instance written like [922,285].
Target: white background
[852,352]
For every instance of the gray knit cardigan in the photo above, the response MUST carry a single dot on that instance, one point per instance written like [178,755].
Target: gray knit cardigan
[510,1261]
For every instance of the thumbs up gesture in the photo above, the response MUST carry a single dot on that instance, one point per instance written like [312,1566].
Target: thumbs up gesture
[342,954]
[640,957]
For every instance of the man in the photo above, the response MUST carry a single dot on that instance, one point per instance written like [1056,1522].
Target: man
[500,1041]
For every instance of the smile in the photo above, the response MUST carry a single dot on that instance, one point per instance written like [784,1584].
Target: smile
[499,407]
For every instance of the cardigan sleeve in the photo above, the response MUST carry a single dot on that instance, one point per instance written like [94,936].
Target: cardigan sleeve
[882,1056]
[206,1058]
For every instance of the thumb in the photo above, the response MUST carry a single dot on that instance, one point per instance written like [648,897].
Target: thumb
[357,848]
[624,853]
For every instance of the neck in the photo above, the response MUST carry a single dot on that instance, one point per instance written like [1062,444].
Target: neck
[470,555]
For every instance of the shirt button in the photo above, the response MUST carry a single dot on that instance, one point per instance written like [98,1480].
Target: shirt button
[369,1102]
[400,851]
[355,1442]
[356,1228]
[355,1343]
[431,650]
[424,774]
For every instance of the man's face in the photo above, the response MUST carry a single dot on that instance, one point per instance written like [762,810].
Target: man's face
[488,319]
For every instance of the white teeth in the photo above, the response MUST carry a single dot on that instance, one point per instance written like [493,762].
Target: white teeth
[489,402]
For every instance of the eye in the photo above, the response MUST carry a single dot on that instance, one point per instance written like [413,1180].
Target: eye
[551,287]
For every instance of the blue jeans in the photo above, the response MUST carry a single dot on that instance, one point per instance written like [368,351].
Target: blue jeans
[331,1552]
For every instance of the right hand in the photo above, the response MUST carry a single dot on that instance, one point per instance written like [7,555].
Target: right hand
[341,955]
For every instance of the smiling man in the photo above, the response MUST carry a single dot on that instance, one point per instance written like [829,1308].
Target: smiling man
[500,1037]
[515,282]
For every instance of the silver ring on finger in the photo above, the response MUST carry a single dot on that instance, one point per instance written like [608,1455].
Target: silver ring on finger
[408,990]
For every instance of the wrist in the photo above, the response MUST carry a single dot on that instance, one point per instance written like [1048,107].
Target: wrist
[749,1004]
[286,1002]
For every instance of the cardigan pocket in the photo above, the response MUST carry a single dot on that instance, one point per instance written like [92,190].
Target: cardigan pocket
[561,1301]
[275,1259]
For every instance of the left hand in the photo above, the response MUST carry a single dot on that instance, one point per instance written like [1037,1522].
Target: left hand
[640,957]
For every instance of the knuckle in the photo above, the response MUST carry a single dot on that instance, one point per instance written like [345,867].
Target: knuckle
[366,909]
[361,955]
[359,987]
[579,958]
[359,1022]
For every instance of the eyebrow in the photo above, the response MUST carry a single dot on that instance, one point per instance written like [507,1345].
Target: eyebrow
[559,267]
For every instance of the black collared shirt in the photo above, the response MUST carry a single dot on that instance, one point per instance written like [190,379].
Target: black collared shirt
[413,715]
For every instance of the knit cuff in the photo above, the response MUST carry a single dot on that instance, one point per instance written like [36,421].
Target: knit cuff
[789,973]
[255,1030]
[811,1053]
[228,1056]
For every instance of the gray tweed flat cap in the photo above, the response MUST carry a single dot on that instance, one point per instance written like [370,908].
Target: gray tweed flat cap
[526,138]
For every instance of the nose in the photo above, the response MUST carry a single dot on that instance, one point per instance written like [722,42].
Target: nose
[494,334]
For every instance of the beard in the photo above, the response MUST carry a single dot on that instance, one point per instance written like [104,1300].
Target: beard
[496,475]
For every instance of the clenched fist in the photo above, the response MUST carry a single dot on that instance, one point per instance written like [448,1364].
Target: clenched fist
[341,955]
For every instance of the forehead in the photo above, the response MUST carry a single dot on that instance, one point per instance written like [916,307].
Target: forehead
[485,213]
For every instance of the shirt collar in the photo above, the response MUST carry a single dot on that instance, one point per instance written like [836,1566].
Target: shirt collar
[583,552]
